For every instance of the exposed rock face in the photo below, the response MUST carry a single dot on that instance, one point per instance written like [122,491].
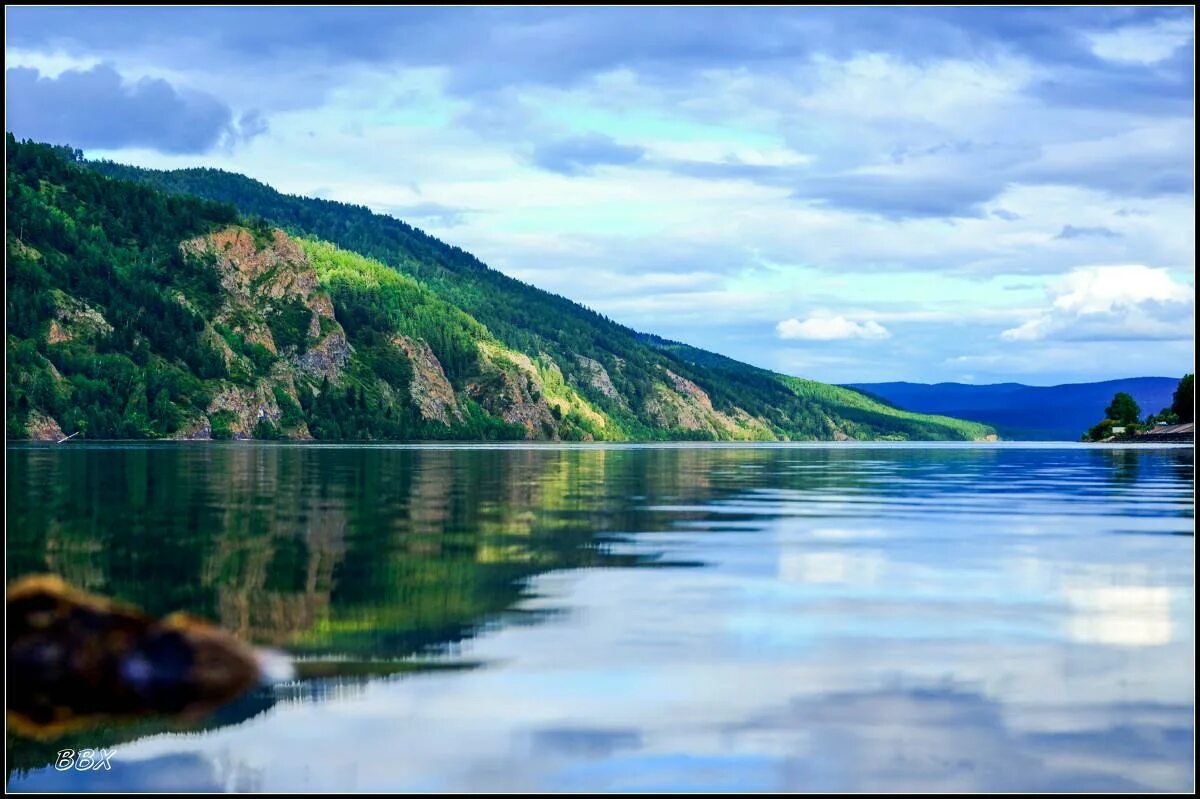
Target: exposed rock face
[247,406]
[242,408]
[599,379]
[57,334]
[43,428]
[685,406]
[693,392]
[75,319]
[234,363]
[22,249]
[563,398]
[326,358]
[510,388]
[246,269]
[260,280]
[430,390]
[670,409]
[199,429]
[285,382]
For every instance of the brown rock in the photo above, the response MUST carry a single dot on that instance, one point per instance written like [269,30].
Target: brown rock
[430,390]
[43,428]
[510,388]
[326,358]
[599,379]
[257,279]
[75,319]
[199,429]
[685,406]
[248,406]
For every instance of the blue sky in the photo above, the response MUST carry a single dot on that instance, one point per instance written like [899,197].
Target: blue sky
[847,194]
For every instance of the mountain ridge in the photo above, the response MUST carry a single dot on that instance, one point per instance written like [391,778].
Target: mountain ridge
[1061,412]
[231,310]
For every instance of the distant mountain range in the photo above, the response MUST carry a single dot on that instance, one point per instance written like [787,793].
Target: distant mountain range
[1020,412]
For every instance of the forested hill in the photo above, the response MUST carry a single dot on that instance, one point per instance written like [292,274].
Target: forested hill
[1018,411]
[201,303]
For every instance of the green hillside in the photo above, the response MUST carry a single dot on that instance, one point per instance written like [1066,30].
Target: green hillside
[200,303]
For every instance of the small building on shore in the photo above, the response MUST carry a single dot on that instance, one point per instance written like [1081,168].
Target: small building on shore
[1172,433]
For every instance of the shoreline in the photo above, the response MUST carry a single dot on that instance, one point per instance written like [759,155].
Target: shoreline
[595,445]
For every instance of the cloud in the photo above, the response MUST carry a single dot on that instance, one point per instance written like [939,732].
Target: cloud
[821,327]
[580,154]
[931,155]
[97,108]
[1143,44]
[1083,231]
[578,40]
[901,196]
[428,212]
[1145,160]
[251,124]
[1113,303]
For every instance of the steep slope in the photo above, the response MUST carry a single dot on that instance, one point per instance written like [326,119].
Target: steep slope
[1018,411]
[140,312]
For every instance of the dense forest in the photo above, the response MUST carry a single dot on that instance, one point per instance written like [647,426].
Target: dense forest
[200,303]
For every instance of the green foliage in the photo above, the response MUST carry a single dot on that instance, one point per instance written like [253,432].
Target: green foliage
[529,320]
[289,322]
[108,237]
[113,245]
[864,417]
[1183,405]
[1183,402]
[373,302]
[1123,409]
[291,414]
[389,363]
[261,231]
[1100,431]
[222,424]
[266,430]
[260,358]
[1166,416]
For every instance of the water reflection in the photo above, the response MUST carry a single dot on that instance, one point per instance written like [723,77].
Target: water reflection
[836,618]
[380,551]
[1119,606]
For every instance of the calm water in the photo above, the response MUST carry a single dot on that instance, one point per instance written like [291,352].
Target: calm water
[697,617]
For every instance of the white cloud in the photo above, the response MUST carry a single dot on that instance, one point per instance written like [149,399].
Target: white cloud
[821,327]
[861,170]
[1115,303]
[880,85]
[719,152]
[1053,362]
[1142,44]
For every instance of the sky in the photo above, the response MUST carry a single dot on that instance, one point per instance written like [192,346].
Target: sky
[846,194]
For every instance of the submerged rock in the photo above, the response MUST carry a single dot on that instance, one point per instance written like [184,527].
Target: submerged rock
[75,659]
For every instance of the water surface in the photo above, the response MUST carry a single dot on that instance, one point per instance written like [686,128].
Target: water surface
[817,618]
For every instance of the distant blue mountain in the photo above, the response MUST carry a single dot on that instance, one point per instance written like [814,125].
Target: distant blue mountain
[1020,412]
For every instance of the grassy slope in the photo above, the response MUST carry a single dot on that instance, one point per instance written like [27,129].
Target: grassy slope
[852,405]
